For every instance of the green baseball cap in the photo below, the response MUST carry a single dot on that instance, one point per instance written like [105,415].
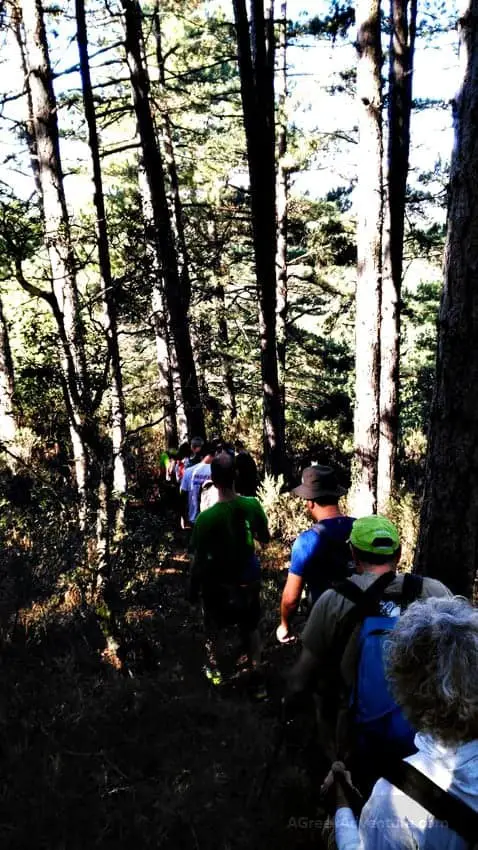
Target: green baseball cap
[375,534]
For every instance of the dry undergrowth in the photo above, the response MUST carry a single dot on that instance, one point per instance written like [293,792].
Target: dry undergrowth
[95,758]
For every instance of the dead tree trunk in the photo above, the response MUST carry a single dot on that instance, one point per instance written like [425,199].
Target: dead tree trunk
[448,538]
[256,67]
[403,15]
[369,258]
[153,165]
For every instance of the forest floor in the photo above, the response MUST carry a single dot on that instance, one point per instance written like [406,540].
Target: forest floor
[156,758]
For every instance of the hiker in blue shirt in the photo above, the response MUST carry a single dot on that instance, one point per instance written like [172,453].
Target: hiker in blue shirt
[320,555]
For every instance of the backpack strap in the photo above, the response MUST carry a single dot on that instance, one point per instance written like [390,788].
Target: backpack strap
[368,598]
[365,604]
[320,528]
[443,805]
[411,589]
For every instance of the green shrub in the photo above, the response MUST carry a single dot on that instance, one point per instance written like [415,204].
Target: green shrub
[286,513]
[404,512]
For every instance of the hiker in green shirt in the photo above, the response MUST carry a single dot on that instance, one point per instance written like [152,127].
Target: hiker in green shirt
[226,570]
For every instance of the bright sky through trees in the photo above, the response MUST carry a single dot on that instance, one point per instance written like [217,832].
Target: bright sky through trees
[317,111]
[316,64]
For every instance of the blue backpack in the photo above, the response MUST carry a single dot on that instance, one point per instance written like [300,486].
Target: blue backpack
[377,722]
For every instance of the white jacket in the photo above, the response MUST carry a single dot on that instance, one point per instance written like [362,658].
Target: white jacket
[392,821]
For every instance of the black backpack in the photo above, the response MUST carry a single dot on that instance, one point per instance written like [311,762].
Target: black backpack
[336,561]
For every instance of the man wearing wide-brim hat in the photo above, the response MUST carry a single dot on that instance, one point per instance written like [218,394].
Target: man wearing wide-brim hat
[319,555]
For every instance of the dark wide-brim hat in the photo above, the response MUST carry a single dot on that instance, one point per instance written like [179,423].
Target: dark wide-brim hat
[319,482]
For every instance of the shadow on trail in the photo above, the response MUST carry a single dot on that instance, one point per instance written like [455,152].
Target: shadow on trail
[91,758]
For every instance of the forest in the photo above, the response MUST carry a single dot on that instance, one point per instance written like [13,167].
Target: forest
[219,218]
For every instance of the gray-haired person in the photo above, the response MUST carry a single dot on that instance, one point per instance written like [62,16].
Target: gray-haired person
[432,661]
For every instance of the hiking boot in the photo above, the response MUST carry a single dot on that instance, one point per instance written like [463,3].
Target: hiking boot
[257,688]
[259,693]
[214,676]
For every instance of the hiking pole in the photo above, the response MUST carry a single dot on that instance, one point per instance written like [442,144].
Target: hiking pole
[290,707]
[280,737]
[338,774]
[279,741]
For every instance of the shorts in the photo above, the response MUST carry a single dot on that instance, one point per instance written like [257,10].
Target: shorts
[232,605]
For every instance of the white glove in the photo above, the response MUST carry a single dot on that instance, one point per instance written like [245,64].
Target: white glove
[282,634]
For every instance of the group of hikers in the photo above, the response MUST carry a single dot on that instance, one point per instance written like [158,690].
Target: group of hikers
[389,660]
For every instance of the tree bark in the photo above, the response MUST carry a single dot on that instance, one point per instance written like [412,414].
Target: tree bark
[8,423]
[169,385]
[118,416]
[215,247]
[448,537]
[174,197]
[64,297]
[403,15]
[281,201]
[224,345]
[165,378]
[181,419]
[153,166]
[256,67]
[369,258]
[29,128]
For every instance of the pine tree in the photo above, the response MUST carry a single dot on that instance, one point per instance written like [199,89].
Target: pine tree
[256,67]
[448,538]
[175,297]
[369,257]
[118,428]
[403,17]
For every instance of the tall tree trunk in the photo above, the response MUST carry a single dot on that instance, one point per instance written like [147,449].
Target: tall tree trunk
[281,201]
[256,67]
[29,128]
[201,335]
[166,136]
[177,228]
[369,258]
[224,345]
[64,299]
[103,536]
[118,427]
[153,166]
[403,17]
[165,378]
[8,423]
[181,419]
[448,538]
[169,392]
[215,248]
[81,463]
